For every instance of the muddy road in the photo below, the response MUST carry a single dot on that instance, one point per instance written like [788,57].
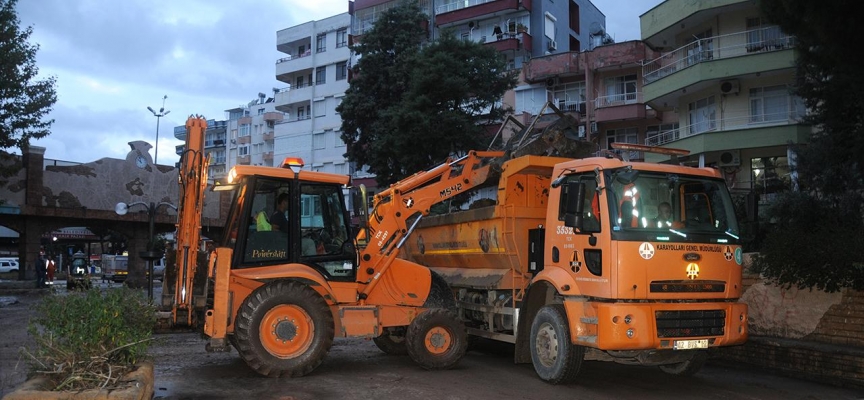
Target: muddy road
[356,369]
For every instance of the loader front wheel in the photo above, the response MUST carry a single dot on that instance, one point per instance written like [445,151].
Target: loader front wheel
[284,328]
[556,359]
[436,339]
[392,342]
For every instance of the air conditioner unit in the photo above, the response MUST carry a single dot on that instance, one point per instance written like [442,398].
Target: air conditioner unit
[233,141]
[552,45]
[552,82]
[730,158]
[729,87]
[593,127]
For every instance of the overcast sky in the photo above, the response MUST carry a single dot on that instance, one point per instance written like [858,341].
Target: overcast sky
[112,59]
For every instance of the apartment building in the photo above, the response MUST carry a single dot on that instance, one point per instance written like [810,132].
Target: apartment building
[726,72]
[251,133]
[315,71]
[214,146]
[518,29]
[711,77]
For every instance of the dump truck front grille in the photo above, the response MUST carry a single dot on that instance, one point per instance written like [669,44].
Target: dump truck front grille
[671,324]
[688,287]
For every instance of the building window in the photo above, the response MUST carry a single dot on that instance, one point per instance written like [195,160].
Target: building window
[245,130]
[219,157]
[337,140]
[341,70]
[319,108]
[320,75]
[260,111]
[318,140]
[299,82]
[624,135]
[301,113]
[703,115]
[769,103]
[659,134]
[621,90]
[321,43]
[243,151]
[342,37]
[549,26]
[569,97]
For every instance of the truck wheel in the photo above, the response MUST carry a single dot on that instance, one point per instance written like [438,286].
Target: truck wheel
[556,359]
[689,367]
[284,328]
[392,342]
[436,339]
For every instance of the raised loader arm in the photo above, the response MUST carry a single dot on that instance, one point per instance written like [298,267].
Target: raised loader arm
[193,182]
[409,200]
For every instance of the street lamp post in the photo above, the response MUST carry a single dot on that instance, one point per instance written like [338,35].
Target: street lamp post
[162,112]
[122,209]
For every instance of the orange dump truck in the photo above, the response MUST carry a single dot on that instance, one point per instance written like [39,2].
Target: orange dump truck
[573,262]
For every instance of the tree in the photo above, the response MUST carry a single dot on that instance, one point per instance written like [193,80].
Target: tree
[832,86]
[411,104]
[828,214]
[24,100]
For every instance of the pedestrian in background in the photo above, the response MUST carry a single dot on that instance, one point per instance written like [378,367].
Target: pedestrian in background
[50,268]
[40,272]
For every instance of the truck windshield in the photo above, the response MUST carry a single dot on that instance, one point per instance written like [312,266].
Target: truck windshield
[653,202]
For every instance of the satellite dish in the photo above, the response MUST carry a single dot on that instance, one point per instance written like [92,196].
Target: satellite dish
[471,24]
[596,29]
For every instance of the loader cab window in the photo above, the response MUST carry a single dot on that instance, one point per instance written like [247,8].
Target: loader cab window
[267,230]
[324,236]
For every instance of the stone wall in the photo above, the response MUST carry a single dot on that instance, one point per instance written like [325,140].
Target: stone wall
[803,333]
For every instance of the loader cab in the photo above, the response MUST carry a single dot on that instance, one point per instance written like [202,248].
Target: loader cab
[291,219]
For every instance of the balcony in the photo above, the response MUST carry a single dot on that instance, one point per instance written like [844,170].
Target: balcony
[511,41]
[291,64]
[268,136]
[273,116]
[180,132]
[244,160]
[244,140]
[463,10]
[778,128]
[620,107]
[292,94]
[268,156]
[739,44]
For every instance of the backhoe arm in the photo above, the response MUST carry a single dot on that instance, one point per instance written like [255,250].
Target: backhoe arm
[407,201]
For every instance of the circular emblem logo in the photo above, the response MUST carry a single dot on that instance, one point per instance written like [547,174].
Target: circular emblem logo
[646,250]
[739,256]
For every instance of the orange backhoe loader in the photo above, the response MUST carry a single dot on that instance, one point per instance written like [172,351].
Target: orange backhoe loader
[288,276]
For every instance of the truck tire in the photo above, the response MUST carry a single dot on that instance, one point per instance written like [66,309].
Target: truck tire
[284,328]
[689,367]
[436,339]
[556,359]
[392,342]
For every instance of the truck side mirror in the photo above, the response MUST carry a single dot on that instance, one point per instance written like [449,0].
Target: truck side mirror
[574,203]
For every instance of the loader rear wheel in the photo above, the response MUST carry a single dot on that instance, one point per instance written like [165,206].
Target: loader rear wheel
[284,328]
[436,339]
[556,359]
[392,342]
[689,367]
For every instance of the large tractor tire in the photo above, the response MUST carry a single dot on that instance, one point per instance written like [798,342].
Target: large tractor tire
[689,367]
[436,339]
[556,359]
[284,328]
[392,342]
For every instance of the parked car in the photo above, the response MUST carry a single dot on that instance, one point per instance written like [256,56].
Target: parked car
[8,265]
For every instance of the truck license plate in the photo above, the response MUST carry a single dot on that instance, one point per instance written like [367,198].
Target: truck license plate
[690,344]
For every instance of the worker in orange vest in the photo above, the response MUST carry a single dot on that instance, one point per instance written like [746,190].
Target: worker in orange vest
[50,268]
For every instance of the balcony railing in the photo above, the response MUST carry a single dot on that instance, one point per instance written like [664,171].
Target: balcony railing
[725,124]
[716,48]
[458,5]
[290,57]
[618,100]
